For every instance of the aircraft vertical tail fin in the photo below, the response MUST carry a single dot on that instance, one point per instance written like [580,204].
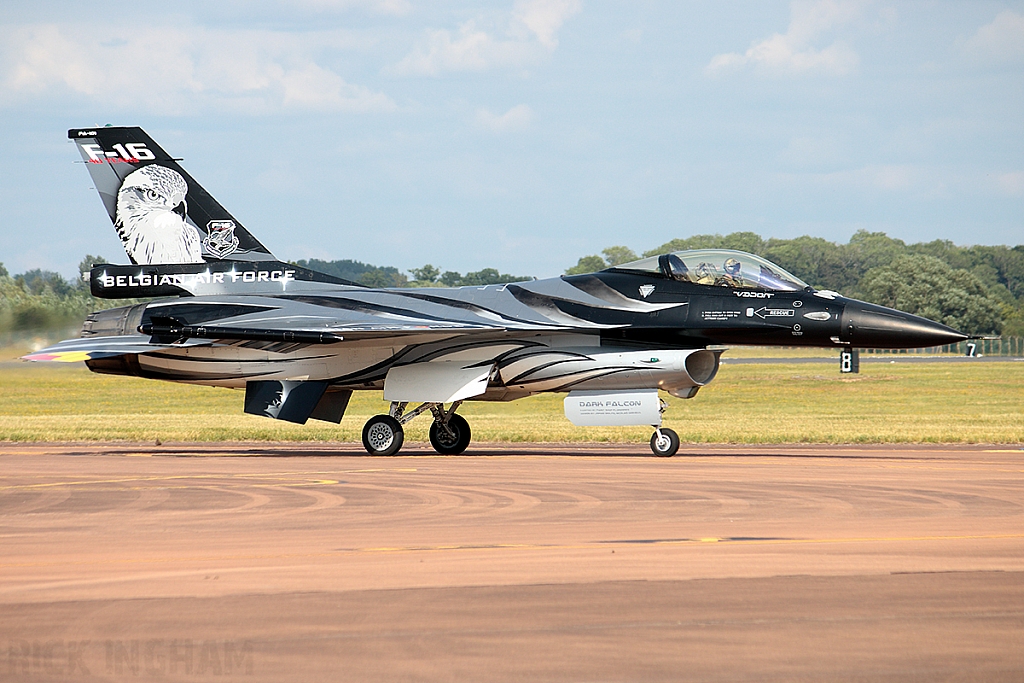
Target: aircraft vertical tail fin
[161,214]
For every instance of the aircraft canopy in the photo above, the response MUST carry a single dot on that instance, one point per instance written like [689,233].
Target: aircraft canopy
[722,267]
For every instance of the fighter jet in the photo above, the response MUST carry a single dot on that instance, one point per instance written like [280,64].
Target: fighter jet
[300,342]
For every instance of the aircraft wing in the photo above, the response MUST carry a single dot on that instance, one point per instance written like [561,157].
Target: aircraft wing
[171,335]
[165,330]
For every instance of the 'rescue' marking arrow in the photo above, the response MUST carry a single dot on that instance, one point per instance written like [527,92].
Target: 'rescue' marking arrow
[765,312]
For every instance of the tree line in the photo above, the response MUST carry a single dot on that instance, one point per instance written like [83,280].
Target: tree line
[976,289]
[42,300]
[389,276]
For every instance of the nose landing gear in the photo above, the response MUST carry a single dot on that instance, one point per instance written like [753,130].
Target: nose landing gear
[449,434]
[664,442]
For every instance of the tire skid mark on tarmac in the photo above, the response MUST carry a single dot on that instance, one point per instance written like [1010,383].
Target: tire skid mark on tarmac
[29,502]
[517,500]
[303,476]
[147,498]
[588,545]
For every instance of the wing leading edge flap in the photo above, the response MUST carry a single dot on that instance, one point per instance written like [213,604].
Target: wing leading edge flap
[295,401]
[436,382]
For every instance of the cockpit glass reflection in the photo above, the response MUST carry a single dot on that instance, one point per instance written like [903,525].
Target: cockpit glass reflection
[719,267]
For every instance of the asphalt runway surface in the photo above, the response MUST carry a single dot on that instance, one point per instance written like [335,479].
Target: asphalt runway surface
[880,358]
[287,562]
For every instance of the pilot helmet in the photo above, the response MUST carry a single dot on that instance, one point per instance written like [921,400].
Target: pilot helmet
[732,267]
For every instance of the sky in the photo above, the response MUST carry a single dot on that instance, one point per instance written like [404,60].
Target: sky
[522,134]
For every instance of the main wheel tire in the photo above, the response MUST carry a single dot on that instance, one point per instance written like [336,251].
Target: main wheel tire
[667,445]
[383,435]
[454,439]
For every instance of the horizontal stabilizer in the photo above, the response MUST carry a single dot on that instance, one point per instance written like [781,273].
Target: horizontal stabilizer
[94,348]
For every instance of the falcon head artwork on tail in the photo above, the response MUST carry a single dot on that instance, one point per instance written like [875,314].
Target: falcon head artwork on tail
[150,220]
[161,214]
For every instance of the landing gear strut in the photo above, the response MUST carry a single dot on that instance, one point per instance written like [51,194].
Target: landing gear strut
[449,434]
[451,438]
[664,441]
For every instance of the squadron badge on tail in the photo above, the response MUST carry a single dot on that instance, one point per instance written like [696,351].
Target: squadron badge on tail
[220,238]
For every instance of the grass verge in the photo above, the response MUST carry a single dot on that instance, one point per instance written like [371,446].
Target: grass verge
[776,403]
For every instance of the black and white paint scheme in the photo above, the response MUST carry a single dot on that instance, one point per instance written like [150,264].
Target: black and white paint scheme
[300,342]
[151,218]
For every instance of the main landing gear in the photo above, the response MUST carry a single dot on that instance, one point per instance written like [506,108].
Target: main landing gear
[449,433]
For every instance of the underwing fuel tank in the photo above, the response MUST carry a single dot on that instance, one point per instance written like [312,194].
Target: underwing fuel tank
[865,325]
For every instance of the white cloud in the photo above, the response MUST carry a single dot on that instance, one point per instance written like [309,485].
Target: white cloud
[634,35]
[544,17]
[813,152]
[313,87]
[911,181]
[470,49]
[894,178]
[530,33]
[794,51]
[170,70]
[516,118]
[1012,183]
[393,7]
[998,42]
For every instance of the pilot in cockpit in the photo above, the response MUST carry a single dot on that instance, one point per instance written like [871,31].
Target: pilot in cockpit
[732,273]
[705,274]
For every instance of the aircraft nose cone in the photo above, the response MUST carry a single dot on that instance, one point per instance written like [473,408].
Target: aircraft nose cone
[869,326]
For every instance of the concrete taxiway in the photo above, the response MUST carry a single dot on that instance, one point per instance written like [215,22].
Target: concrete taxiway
[513,562]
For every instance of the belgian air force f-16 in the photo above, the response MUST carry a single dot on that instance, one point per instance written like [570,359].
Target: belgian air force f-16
[300,342]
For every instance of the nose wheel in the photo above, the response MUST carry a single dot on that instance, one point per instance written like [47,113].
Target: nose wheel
[664,442]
